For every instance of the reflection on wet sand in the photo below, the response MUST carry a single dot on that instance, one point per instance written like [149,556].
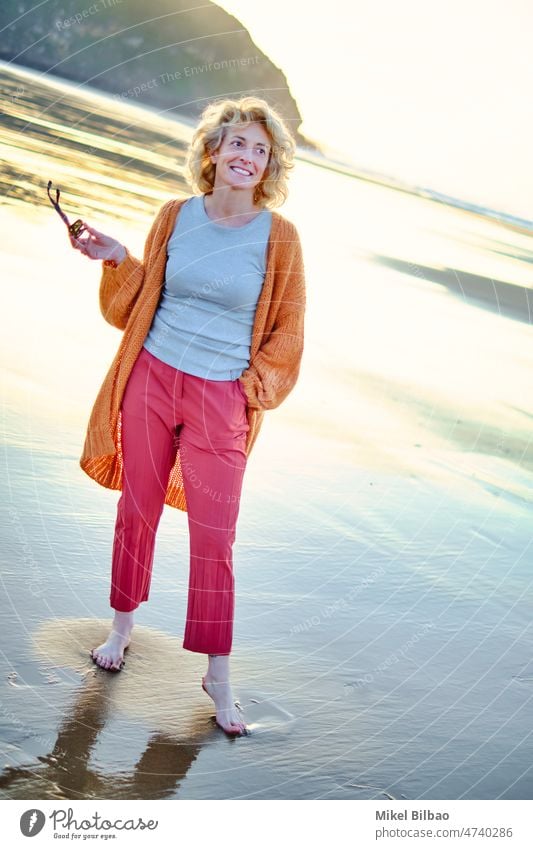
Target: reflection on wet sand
[157,691]
[67,773]
[150,690]
[73,127]
[501,296]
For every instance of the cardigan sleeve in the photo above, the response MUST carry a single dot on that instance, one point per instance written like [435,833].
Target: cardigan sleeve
[120,287]
[274,370]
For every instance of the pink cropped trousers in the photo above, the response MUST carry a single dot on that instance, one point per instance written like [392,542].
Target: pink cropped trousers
[164,408]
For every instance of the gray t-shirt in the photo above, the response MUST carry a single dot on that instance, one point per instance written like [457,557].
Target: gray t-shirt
[214,276]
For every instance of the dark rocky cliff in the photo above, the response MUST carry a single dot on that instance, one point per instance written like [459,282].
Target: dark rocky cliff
[172,55]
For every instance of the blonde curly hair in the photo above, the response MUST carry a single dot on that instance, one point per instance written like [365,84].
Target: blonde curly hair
[215,120]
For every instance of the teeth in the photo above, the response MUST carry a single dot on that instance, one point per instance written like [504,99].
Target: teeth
[240,171]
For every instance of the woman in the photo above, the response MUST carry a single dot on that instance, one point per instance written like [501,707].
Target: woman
[213,321]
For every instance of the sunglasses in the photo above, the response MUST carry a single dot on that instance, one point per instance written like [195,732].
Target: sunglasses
[74,229]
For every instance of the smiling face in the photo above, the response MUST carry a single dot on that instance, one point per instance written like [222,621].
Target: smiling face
[242,157]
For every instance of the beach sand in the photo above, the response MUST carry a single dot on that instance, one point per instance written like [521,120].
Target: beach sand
[382,643]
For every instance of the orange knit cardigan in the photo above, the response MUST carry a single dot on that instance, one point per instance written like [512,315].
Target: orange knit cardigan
[129,297]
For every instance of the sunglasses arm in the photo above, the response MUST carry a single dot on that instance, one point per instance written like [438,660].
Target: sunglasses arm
[75,229]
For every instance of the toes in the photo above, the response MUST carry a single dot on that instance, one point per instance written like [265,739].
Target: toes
[105,662]
[230,729]
[232,726]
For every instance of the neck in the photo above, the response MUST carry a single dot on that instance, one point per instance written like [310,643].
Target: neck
[227,203]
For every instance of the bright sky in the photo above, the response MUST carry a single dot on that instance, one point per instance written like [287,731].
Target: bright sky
[437,94]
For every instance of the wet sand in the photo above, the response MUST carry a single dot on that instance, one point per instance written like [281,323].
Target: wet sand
[383,613]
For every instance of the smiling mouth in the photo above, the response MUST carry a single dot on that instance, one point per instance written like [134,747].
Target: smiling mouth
[243,171]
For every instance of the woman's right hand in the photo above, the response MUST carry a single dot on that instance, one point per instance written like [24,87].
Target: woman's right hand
[98,246]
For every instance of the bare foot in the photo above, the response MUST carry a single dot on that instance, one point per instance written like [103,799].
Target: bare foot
[228,716]
[110,655]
